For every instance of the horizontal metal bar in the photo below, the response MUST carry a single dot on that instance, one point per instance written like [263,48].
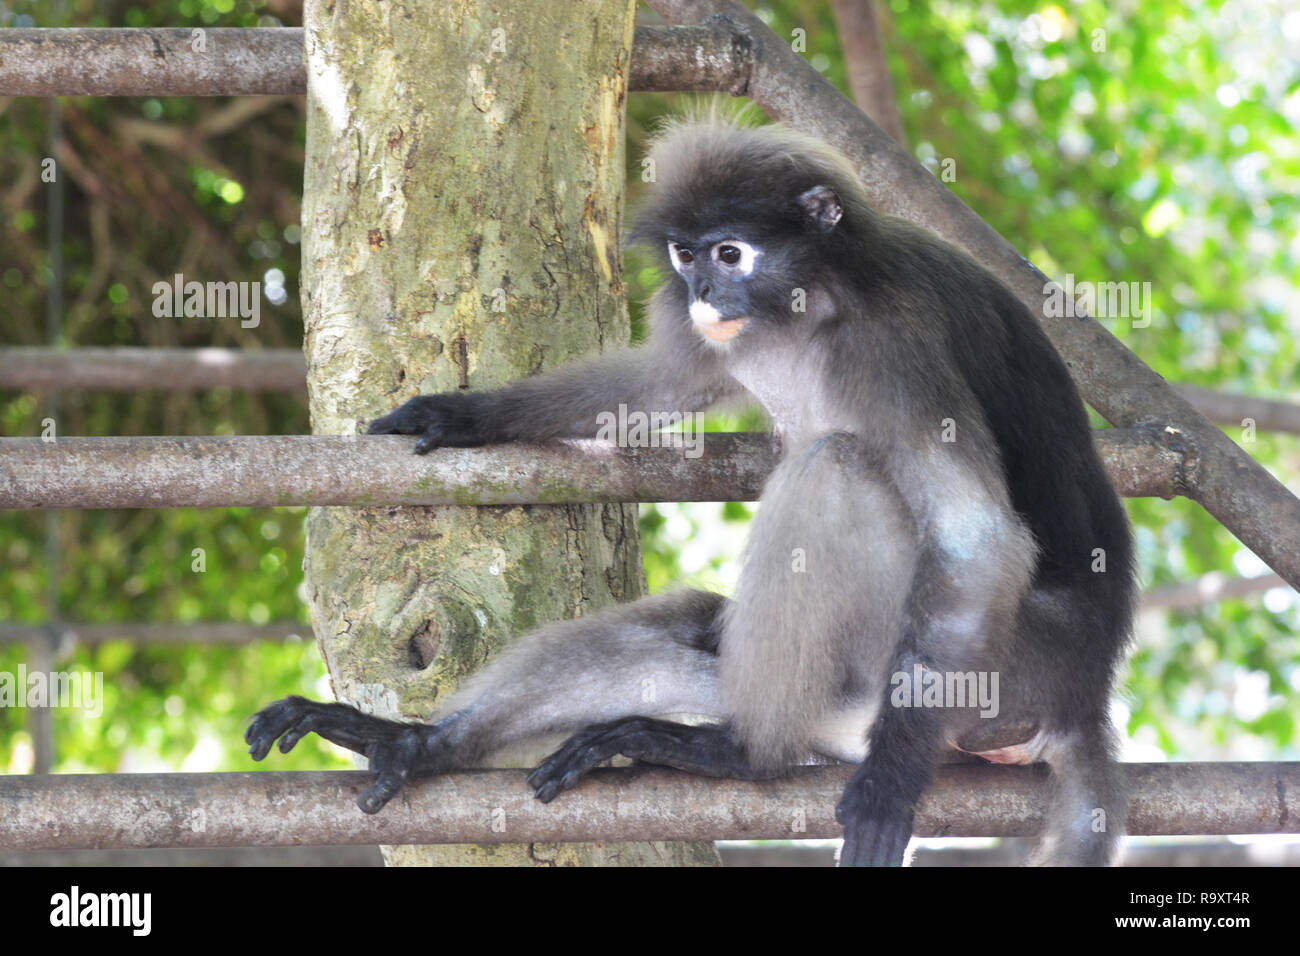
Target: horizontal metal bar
[140,632]
[1190,594]
[215,472]
[269,60]
[1268,414]
[138,369]
[127,368]
[261,471]
[115,811]
[211,61]
[1206,589]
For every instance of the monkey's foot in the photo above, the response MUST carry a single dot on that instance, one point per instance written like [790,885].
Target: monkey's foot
[587,749]
[876,830]
[440,421]
[395,750]
[707,749]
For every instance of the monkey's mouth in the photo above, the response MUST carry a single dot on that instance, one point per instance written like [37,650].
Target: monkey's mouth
[723,330]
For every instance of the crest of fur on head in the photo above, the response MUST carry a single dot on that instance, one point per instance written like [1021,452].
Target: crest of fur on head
[710,167]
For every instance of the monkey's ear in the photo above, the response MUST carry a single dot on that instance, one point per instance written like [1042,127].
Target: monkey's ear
[822,206]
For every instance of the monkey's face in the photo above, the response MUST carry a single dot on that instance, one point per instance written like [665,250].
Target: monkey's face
[717,272]
[752,269]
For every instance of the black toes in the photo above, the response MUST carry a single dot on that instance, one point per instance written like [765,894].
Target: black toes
[876,842]
[451,419]
[274,721]
[395,750]
[394,761]
[581,753]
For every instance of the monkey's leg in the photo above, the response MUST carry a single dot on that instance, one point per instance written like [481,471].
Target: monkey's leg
[783,642]
[813,621]
[1086,808]
[655,656]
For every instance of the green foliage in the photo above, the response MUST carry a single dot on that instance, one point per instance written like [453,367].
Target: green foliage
[146,199]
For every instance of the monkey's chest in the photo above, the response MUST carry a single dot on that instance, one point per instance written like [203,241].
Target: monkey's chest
[791,392]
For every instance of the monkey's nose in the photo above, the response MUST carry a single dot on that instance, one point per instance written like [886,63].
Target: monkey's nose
[703,294]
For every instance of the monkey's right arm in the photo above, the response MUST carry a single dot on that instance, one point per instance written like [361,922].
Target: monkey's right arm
[566,402]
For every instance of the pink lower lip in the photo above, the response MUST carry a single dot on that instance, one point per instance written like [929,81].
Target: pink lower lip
[725,330]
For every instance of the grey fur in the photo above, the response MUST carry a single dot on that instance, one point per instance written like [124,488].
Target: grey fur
[652,657]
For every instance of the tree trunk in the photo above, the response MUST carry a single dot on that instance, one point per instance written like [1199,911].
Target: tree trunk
[462,212]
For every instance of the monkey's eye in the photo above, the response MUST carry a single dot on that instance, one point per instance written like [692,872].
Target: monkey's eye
[729,254]
[680,253]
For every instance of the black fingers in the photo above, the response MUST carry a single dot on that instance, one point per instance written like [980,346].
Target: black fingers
[290,719]
[453,419]
[293,718]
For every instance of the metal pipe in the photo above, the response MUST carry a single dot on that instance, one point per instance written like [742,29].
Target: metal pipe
[118,811]
[264,471]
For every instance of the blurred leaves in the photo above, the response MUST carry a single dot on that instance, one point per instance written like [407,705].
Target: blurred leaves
[155,187]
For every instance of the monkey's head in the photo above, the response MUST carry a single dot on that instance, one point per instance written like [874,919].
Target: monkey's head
[749,219]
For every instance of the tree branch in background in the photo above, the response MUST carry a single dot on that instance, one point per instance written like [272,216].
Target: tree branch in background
[864,56]
[1207,589]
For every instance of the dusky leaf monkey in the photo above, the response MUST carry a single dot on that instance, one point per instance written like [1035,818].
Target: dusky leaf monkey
[938,518]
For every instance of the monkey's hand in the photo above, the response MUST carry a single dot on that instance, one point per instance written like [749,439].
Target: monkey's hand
[876,828]
[395,750]
[450,419]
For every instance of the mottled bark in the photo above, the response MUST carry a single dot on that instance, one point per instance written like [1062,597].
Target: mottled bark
[461,223]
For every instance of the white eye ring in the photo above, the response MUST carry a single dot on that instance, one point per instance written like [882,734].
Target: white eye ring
[679,255]
[744,264]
